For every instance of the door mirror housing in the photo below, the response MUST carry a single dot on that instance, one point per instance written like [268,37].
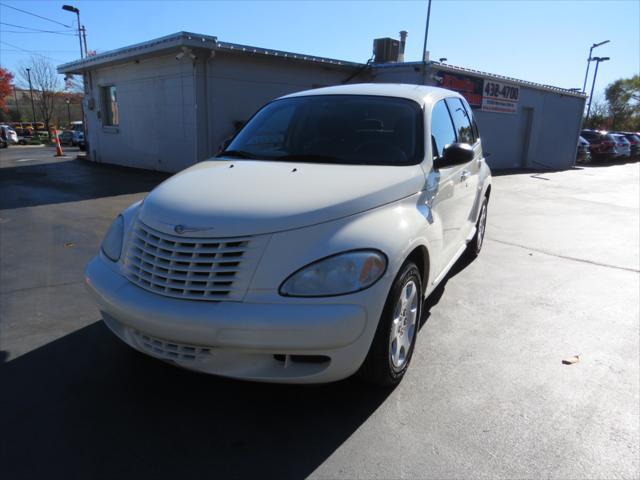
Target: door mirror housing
[454,154]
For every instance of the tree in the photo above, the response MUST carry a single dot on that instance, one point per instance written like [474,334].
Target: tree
[599,118]
[623,97]
[6,77]
[46,83]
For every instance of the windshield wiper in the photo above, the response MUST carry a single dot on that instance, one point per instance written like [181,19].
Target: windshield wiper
[237,154]
[309,157]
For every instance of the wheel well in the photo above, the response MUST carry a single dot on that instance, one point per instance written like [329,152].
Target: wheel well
[420,256]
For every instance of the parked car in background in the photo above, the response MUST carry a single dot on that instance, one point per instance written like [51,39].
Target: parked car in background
[304,251]
[601,145]
[78,138]
[634,142]
[583,154]
[623,146]
[78,132]
[9,136]
[66,137]
[24,135]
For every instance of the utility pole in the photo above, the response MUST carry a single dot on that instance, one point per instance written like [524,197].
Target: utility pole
[84,38]
[589,60]
[33,107]
[595,75]
[426,35]
[68,111]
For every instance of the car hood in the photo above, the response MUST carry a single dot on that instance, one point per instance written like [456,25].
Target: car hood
[236,198]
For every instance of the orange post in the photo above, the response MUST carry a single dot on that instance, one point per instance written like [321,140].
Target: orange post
[59,152]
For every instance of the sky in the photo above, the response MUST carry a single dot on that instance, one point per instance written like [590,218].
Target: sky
[544,41]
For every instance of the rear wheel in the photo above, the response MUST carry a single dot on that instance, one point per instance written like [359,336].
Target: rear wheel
[395,338]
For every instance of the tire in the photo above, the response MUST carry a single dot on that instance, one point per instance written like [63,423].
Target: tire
[475,245]
[393,344]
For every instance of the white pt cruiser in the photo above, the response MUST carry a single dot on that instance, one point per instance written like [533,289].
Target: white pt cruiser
[303,252]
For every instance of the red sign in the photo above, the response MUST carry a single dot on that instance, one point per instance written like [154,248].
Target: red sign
[469,87]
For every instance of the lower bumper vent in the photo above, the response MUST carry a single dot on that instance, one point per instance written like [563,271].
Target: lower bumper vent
[171,350]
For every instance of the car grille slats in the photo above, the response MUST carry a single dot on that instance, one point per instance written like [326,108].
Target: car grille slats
[171,350]
[212,269]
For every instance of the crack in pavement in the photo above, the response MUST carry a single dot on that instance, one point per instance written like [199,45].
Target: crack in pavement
[565,257]
[8,292]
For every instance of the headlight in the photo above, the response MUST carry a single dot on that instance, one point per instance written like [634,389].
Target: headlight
[339,274]
[112,243]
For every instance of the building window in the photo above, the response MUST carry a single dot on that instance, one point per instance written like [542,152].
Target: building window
[110,105]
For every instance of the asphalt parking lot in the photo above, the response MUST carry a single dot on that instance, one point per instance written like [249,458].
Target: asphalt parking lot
[487,395]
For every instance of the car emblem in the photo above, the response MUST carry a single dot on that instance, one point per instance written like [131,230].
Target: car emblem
[180,229]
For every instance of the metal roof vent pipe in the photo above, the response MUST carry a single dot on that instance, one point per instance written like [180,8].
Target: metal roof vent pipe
[403,42]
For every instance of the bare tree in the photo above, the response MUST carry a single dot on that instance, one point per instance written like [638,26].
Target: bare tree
[46,83]
[599,117]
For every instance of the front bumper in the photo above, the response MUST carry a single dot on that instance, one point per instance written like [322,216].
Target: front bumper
[241,340]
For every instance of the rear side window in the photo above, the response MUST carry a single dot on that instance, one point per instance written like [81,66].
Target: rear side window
[474,125]
[461,121]
[442,131]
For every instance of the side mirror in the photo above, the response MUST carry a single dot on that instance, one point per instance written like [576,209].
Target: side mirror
[454,154]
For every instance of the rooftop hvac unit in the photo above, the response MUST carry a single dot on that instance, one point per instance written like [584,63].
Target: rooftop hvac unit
[386,50]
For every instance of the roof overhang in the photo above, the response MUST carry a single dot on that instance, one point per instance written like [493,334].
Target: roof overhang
[477,73]
[179,40]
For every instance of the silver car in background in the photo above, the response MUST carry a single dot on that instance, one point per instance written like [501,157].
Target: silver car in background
[623,146]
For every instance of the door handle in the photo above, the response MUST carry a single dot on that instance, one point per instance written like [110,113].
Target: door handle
[464,175]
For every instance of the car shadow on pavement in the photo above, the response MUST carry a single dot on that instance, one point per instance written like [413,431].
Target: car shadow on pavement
[69,181]
[87,406]
[435,296]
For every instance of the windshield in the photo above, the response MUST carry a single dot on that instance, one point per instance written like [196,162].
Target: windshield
[346,129]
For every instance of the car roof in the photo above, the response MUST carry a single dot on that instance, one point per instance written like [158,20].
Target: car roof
[418,93]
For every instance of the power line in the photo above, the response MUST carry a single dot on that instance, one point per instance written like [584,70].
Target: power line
[35,15]
[35,30]
[56,33]
[32,51]
[29,51]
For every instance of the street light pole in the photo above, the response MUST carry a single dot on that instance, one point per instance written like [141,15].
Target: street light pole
[68,111]
[597,60]
[33,107]
[75,10]
[426,34]
[586,75]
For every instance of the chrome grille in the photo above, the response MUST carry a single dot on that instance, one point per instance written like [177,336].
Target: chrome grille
[191,268]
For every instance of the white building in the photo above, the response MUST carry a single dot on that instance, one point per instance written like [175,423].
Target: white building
[171,102]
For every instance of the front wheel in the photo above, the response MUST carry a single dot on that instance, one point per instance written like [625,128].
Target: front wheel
[395,338]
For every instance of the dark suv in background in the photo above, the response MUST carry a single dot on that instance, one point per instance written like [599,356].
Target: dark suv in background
[601,144]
